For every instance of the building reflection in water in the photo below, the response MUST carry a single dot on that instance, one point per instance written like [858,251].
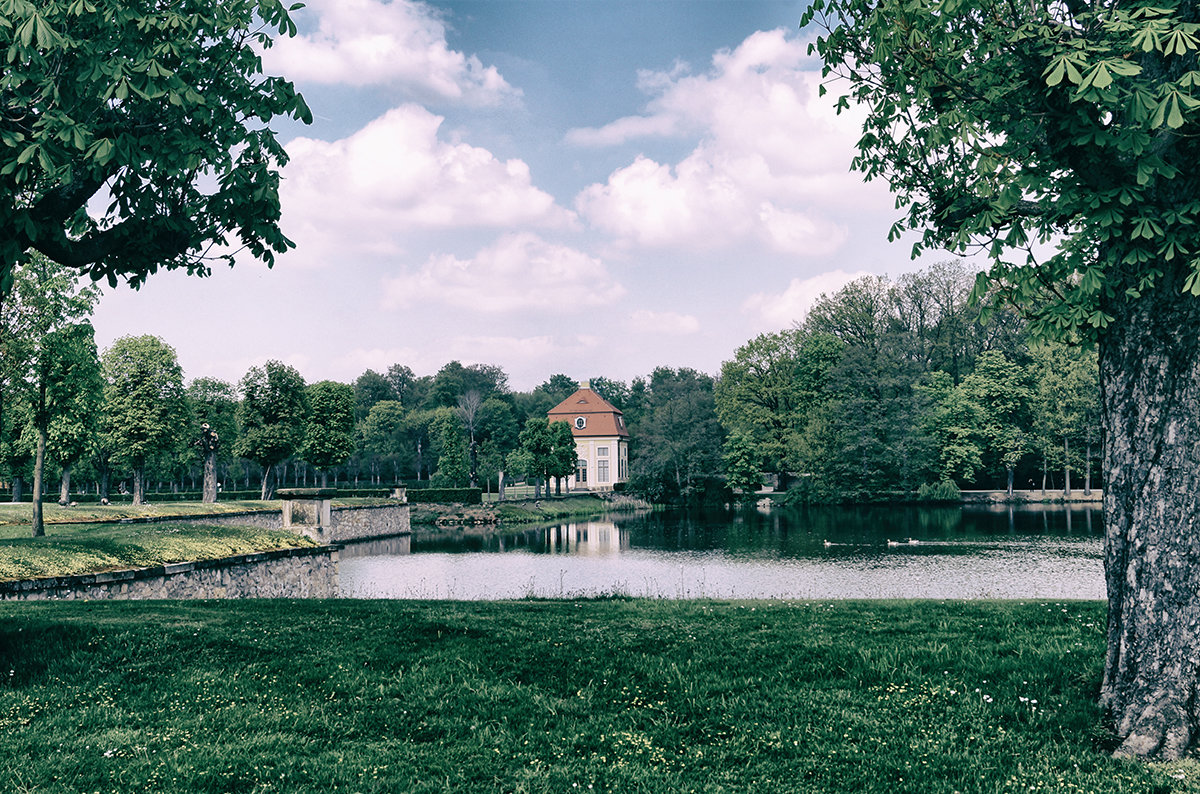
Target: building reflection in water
[586,538]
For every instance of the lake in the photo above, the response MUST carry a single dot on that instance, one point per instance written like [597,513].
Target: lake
[1045,552]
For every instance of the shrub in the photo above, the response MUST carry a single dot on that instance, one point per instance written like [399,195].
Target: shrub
[466,496]
[944,491]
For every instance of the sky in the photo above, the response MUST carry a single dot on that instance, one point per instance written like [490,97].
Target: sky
[586,187]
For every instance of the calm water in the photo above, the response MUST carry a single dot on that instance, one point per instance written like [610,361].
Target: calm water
[1032,552]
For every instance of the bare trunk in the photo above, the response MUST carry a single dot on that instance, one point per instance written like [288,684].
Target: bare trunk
[39,468]
[210,477]
[500,486]
[64,488]
[1087,477]
[1066,468]
[139,485]
[1150,395]
[1011,474]
[268,489]
[18,487]
[324,479]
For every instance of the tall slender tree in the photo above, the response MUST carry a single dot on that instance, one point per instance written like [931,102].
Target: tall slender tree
[144,403]
[329,430]
[272,415]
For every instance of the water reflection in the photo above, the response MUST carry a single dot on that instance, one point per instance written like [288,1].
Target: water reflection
[861,552]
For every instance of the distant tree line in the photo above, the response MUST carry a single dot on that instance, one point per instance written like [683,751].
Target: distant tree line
[883,388]
[887,386]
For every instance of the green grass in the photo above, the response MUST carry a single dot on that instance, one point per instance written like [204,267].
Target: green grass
[593,696]
[72,549]
[53,513]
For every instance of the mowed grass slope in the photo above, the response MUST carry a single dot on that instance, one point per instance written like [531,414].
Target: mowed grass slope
[609,696]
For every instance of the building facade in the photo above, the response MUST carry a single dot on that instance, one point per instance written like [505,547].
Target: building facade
[601,440]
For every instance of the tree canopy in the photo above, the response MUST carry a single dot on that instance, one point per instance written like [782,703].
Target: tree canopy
[1056,140]
[157,112]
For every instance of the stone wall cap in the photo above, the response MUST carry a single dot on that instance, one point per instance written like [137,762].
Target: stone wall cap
[306,493]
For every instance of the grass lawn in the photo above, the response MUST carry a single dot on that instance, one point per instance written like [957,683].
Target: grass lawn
[71,549]
[559,696]
[20,514]
[74,546]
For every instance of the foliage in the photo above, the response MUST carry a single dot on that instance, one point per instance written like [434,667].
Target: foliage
[144,402]
[464,496]
[679,440]
[944,491]
[371,388]
[161,114]
[329,425]
[272,414]
[742,466]
[74,393]
[453,464]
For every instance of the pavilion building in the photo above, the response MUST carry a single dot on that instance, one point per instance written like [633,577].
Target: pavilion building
[601,440]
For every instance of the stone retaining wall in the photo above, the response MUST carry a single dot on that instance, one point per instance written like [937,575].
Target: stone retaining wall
[359,522]
[284,573]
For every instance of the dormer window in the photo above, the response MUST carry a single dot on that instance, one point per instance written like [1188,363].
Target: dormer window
[580,422]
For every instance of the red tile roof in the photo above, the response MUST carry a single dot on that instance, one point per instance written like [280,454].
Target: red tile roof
[600,417]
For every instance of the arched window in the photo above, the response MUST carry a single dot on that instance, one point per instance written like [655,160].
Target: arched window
[580,422]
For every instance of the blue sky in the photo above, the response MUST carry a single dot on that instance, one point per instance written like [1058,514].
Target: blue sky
[592,187]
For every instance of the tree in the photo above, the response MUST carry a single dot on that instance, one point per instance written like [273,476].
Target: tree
[533,457]
[381,434]
[403,383]
[680,438]
[161,114]
[453,466]
[564,454]
[1060,139]
[743,470]
[371,388]
[214,404]
[1065,406]
[468,413]
[272,414]
[75,391]
[1003,390]
[329,430]
[45,301]
[767,391]
[144,403]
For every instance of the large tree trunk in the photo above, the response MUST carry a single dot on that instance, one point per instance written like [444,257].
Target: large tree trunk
[18,487]
[39,469]
[1150,394]
[210,476]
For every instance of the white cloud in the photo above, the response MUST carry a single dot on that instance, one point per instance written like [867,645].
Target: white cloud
[400,44]
[520,272]
[790,306]
[672,323]
[770,167]
[360,194]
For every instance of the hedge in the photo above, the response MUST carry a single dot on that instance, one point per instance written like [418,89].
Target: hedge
[465,496]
